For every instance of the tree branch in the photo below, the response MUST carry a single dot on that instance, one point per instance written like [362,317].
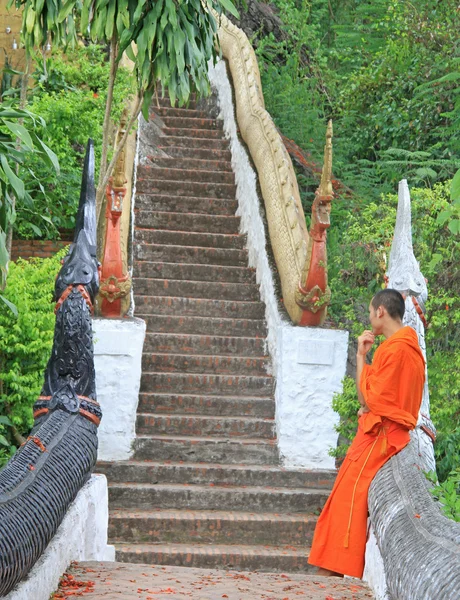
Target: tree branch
[108,110]
[118,149]
[22,105]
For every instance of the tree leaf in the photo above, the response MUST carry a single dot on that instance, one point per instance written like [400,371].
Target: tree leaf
[21,132]
[14,310]
[13,179]
[229,6]
[455,187]
[454,226]
[4,441]
[49,156]
[65,10]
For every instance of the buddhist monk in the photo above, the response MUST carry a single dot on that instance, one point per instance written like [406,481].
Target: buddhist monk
[390,394]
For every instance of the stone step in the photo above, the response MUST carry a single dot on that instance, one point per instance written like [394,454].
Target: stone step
[199,307]
[276,559]
[206,405]
[155,173]
[193,425]
[189,132]
[209,449]
[205,497]
[197,289]
[192,122]
[191,143]
[202,474]
[186,204]
[214,385]
[191,255]
[191,272]
[198,153]
[159,102]
[177,343]
[197,164]
[188,222]
[222,186]
[187,238]
[209,527]
[205,363]
[178,112]
[204,326]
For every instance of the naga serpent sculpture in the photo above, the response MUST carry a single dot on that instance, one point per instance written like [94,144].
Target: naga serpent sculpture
[300,255]
[44,476]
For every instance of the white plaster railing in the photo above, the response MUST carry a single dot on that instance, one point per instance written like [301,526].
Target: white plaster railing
[420,548]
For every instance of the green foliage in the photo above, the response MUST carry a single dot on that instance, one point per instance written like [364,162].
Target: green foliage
[347,405]
[447,493]
[451,215]
[71,99]
[25,344]
[386,71]
[174,41]
[19,144]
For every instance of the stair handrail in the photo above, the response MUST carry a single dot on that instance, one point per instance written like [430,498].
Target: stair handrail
[300,256]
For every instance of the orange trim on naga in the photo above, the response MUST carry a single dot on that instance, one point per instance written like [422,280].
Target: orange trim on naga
[90,416]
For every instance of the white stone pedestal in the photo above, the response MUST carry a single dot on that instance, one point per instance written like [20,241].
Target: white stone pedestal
[310,369]
[118,361]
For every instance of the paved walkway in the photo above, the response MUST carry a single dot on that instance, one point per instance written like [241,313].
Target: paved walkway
[121,581]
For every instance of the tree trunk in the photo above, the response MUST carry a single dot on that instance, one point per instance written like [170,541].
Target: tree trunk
[106,126]
[22,104]
[118,149]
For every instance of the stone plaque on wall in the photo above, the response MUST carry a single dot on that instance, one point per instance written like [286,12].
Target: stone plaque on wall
[315,352]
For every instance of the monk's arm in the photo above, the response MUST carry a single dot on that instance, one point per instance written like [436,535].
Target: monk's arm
[365,342]
[360,362]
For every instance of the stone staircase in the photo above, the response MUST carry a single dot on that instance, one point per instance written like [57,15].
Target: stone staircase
[204,487]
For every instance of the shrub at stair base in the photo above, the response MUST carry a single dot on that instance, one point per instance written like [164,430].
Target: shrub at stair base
[25,345]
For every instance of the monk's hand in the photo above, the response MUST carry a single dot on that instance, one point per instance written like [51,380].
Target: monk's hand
[362,411]
[365,342]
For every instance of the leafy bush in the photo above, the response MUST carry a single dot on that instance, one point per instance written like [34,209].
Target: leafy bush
[70,96]
[347,405]
[447,493]
[25,345]
[386,72]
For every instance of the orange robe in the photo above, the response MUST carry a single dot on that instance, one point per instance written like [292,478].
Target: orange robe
[392,387]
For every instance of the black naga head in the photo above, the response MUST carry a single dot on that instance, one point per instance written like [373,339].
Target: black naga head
[70,371]
[80,266]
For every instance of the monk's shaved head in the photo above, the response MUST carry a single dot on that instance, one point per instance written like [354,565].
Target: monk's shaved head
[392,301]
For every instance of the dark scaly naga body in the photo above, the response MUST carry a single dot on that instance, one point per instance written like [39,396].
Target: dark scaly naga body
[39,483]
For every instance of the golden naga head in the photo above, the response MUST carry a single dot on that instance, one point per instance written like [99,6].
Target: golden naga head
[321,208]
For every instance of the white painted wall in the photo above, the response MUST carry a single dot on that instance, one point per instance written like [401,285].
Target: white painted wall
[118,362]
[310,371]
[374,569]
[305,387]
[82,535]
